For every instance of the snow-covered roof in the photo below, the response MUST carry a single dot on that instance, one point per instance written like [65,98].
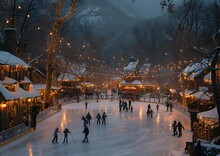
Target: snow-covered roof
[26,80]
[41,86]
[8,81]
[138,82]
[66,77]
[202,95]
[208,76]
[9,59]
[211,114]
[131,66]
[19,93]
[187,92]
[195,69]
[145,69]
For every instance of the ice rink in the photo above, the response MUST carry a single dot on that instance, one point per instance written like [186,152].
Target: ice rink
[125,134]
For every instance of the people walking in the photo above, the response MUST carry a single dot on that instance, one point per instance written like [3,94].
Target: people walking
[104,116]
[180,127]
[174,125]
[66,131]
[55,139]
[88,118]
[98,117]
[86,132]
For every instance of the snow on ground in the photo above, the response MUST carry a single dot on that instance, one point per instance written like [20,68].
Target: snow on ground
[126,134]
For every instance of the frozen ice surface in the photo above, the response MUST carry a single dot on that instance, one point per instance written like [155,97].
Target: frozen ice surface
[125,134]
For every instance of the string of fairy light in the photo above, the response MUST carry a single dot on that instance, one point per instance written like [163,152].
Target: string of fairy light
[115,68]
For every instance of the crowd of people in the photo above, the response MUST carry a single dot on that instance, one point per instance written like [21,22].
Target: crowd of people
[123,105]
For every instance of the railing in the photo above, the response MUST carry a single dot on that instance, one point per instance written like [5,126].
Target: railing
[22,128]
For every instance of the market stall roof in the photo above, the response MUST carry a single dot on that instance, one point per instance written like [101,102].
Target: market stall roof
[131,66]
[202,95]
[209,115]
[7,58]
[187,92]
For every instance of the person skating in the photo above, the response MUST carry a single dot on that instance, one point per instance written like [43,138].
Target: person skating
[129,104]
[86,132]
[98,117]
[171,107]
[157,106]
[66,131]
[167,105]
[104,118]
[131,109]
[174,125]
[180,127]
[148,107]
[151,113]
[86,105]
[88,118]
[55,139]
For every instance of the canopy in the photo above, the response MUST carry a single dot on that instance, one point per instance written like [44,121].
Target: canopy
[209,115]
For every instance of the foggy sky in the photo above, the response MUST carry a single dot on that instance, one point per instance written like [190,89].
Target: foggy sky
[144,9]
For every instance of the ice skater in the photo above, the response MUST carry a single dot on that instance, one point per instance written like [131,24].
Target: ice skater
[86,132]
[180,127]
[88,118]
[66,131]
[104,116]
[98,117]
[86,105]
[174,125]
[55,139]
[157,106]
[131,109]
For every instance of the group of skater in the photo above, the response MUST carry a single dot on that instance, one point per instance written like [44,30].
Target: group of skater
[65,139]
[169,106]
[123,105]
[177,128]
[150,110]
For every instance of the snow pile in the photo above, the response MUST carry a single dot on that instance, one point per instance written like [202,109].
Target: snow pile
[211,114]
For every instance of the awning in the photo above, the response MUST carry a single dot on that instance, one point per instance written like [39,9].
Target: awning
[209,115]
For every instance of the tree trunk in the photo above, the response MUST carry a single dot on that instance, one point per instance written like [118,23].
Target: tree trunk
[50,69]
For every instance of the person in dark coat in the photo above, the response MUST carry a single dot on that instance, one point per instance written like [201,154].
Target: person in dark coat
[84,120]
[180,127]
[129,104]
[157,106]
[98,117]
[66,131]
[148,107]
[88,118]
[174,125]
[86,132]
[55,139]
[131,109]
[104,118]
[86,105]
[167,105]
